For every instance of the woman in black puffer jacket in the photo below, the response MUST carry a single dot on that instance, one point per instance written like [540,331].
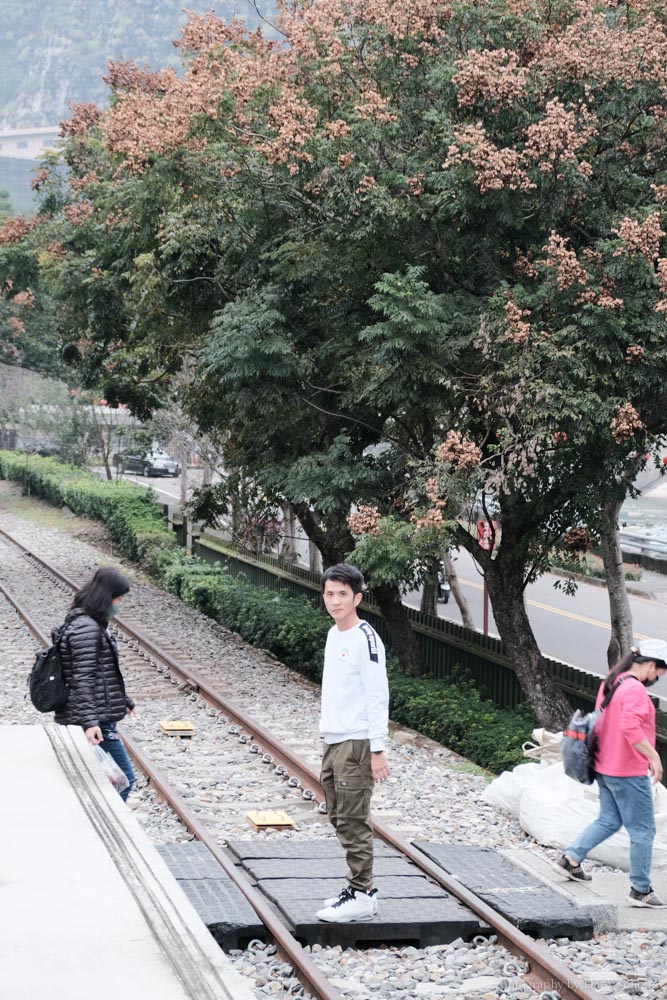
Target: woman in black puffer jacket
[89,655]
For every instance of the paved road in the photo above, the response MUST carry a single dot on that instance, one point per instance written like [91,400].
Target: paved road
[574,629]
[166,487]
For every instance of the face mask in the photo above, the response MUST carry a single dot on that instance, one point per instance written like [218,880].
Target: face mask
[113,610]
[649,684]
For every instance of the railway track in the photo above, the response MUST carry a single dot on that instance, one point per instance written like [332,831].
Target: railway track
[301,777]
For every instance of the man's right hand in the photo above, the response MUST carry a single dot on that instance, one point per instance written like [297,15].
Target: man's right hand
[379,766]
[94,735]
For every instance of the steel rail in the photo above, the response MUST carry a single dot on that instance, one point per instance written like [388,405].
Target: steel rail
[46,565]
[23,615]
[550,970]
[189,676]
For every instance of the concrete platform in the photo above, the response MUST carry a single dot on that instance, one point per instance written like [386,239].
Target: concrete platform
[296,876]
[605,898]
[86,903]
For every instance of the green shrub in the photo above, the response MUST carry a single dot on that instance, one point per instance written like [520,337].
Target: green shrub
[129,511]
[453,713]
[289,627]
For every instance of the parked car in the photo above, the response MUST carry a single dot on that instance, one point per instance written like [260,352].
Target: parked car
[155,463]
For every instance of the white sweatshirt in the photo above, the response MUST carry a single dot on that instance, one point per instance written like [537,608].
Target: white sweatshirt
[355,692]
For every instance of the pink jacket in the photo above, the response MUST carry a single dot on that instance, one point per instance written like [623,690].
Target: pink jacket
[628,718]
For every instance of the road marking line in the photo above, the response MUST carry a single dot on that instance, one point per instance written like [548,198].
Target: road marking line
[559,611]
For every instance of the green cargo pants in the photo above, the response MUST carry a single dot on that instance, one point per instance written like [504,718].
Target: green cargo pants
[347,781]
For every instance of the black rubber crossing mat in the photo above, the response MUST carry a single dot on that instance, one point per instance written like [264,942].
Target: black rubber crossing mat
[393,887]
[320,867]
[190,859]
[297,876]
[521,897]
[327,847]
[421,922]
[221,905]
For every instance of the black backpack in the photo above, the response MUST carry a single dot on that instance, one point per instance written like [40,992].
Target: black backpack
[46,684]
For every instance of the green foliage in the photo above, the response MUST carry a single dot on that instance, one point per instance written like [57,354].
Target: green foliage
[453,713]
[128,511]
[400,553]
[47,415]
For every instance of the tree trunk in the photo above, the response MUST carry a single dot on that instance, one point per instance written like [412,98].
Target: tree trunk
[429,598]
[314,558]
[183,457]
[208,467]
[325,541]
[505,582]
[288,551]
[403,639]
[457,592]
[620,615]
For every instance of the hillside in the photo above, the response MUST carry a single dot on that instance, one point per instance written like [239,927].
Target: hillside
[55,51]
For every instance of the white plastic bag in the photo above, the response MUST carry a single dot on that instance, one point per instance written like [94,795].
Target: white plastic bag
[116,776]
[505,791]
[545,746]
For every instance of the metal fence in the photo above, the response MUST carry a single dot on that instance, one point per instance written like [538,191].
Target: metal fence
[444,644]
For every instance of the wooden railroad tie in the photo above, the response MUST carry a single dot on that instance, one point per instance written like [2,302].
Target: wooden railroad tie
[177,727]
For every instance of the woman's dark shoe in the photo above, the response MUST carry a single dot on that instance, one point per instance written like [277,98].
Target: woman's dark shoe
[572,870]
[645,899]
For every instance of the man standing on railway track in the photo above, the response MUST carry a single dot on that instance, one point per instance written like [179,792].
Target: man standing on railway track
[354,723]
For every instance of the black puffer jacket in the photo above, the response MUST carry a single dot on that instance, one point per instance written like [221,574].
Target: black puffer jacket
[89,656]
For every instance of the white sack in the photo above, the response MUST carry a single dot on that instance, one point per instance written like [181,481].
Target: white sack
[505,791]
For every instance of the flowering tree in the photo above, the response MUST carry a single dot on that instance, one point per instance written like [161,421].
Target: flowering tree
[416,250]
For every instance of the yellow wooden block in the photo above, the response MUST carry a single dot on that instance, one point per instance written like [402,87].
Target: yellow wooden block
[264,819]
[176,727]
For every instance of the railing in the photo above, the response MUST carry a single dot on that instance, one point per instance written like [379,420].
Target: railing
[444,644]
[651,546]
[649,554]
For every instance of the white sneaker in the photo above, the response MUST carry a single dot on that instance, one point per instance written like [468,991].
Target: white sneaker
[372,895]
[350,906]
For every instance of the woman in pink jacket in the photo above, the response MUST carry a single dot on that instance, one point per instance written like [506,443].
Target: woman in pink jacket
[625,765]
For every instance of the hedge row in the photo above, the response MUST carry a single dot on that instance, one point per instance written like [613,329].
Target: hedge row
[129,511]
[452,712]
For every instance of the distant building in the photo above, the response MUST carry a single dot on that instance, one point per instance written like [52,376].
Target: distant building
[28,143]
[21,149]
